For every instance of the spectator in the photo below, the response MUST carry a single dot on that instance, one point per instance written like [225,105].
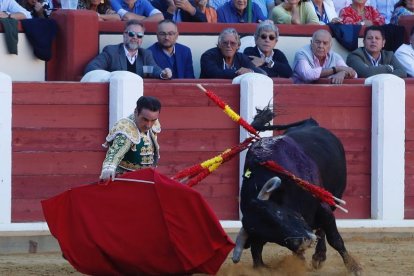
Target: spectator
[402,8]
[141,10]
[385,8]
[11,9]
[169,54]
[340,4]
[295,12]
[210,12]
[266,6]
[217,3]
[37,9]
[263,55]
[180,10]
[235,11]
[405,55]
[128,56]
[325,11]
[101,7]
[316,61]
[133,140]
[223,61]
[358,13]
[371,60]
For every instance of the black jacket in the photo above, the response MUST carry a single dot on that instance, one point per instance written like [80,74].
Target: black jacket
[212,65]
[281,68]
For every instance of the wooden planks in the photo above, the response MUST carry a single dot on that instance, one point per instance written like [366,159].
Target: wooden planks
[58,129]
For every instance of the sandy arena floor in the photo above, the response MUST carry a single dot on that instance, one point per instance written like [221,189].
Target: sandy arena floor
[385,256]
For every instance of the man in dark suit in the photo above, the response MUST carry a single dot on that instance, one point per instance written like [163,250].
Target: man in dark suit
[169,54]
[223,61]
[264,56]
[128,56]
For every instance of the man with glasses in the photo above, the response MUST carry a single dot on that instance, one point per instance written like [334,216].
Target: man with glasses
[169,54]
[224,61]
[128,56]
[316,61]
[263,55]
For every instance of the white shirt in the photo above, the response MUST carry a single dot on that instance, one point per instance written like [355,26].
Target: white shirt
[405,55]
[130,58]
[12,6]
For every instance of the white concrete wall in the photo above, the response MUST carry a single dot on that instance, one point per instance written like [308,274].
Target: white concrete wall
[5,148]
[24,66]
[387,147]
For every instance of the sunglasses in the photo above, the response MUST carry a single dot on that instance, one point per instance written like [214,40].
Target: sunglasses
[232,44]
[133,34]
[271,37]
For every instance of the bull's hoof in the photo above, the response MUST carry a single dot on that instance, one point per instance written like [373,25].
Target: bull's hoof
[260,265]
[352,265]
[318,259]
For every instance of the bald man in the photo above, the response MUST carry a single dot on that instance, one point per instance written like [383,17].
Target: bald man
[316,61]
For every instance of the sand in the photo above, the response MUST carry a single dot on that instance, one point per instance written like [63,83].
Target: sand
[381,256]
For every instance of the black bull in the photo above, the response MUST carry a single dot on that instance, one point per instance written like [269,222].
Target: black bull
[290,215]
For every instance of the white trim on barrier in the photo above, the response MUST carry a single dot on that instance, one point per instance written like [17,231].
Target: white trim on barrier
[387,147]
[124,90]
[256,90]
[227,224]
[5,147]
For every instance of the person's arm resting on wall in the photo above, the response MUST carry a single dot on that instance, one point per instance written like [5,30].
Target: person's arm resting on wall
[100,62]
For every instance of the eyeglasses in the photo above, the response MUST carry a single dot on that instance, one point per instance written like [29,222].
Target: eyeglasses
[232,44]
[133,34]
[167,34]
[264,37]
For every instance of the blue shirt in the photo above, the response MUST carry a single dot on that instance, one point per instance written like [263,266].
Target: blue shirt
[141,7]
[228,14]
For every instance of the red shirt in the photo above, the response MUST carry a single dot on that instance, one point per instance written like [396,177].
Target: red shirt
[351,16]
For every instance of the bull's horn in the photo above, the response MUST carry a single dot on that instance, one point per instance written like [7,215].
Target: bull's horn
[267,189]
[240,242]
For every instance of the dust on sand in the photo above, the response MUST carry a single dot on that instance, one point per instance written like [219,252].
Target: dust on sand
[383,256]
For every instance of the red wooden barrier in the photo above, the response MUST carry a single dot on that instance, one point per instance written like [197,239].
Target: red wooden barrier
[58,129]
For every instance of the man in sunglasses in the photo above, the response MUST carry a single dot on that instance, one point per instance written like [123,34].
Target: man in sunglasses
[264,56]
[169,54]
[316,61]
[129,56]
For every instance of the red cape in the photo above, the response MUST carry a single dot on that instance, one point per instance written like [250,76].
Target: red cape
[137,228]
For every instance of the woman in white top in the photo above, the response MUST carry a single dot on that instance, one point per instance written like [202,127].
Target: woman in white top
[325,10]
[11,9]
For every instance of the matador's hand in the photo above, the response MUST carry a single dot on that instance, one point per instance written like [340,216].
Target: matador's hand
[107,173]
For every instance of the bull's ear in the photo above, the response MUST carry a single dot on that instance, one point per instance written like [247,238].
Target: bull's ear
[258,110]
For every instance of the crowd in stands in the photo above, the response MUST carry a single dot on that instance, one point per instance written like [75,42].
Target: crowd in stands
[362,12]
[169,59]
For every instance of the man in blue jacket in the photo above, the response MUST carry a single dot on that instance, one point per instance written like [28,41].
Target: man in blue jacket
[169,54]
